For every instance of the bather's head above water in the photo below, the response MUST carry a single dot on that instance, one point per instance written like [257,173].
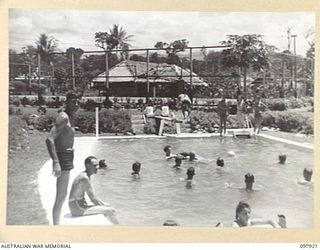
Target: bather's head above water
[167,150]
[282,158]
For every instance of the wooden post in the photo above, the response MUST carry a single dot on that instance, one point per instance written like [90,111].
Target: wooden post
[148,82]
[107,72]
[191,70]
[29,80]
[161,127]
[97,122]
[73,74]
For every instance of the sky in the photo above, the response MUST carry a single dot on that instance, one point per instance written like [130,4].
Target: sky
[75,28]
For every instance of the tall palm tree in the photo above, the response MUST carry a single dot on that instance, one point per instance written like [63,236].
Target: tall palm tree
[45,47]
[114,39]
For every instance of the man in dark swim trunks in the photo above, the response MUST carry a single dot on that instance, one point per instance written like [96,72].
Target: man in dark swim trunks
[60,146]
[81,186]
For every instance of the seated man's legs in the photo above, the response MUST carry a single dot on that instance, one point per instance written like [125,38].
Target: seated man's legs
[105,210]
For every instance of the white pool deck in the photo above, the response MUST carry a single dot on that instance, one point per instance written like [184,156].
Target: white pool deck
[83,147]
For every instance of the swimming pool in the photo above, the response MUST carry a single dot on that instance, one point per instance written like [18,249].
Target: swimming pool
[160,194]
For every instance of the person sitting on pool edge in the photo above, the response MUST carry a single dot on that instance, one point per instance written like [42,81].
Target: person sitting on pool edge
[243,217]
[249,180]
[136,167]
[81,186]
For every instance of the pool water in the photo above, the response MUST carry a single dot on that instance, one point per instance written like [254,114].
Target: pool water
[161,194]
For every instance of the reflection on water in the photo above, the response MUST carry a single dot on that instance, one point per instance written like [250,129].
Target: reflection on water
[160,193]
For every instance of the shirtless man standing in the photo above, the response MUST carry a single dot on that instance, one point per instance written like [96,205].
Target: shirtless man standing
[60,146]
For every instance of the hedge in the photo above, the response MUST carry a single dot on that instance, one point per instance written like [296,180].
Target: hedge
[290,121]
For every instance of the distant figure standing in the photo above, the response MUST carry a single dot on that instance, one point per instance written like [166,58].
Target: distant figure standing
[223,114]
[185,102]
[60,147]
[249,180]
[81,186]
[257,109]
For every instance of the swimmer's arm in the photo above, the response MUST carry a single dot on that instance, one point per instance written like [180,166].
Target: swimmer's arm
[170,157]
[256,222]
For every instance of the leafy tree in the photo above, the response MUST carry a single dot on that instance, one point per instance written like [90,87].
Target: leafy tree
[172,49]
[244,52]
[78,52]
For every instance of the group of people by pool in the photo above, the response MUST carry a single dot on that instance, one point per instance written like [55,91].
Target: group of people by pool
[60,143]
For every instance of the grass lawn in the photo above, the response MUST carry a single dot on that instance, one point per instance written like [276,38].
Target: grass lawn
[23,200]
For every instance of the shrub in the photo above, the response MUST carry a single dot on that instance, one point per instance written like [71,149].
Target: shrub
[150,127]
[25,101]
[290,121]
[16,102]
[117,106]
[110,121]
[90,105]
[45,122]
[85,121]
[115,121]
[205,120]
[276,104]
[17,131]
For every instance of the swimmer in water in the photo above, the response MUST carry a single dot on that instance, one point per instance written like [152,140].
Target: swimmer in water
[243,217]
[190,173]
[282,158]
[249,180]
[167,150]
[102,164]
[307,174]
[220,162]
[136,167]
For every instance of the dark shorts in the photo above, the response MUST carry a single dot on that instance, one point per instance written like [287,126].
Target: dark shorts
[66,159]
